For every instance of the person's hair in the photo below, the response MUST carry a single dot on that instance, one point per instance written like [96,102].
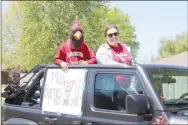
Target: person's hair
[110,26]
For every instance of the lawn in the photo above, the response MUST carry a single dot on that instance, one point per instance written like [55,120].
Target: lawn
[2,99]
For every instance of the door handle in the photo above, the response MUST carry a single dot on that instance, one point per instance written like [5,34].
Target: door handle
[91,123]
[76,123]
[50,120]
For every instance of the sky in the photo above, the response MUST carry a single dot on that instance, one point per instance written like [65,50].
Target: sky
[152,20]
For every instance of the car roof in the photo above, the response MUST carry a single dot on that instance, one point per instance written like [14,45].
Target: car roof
[89,66]
[163,66]
[113,66]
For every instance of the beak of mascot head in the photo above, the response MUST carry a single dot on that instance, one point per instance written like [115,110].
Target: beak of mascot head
[77,35]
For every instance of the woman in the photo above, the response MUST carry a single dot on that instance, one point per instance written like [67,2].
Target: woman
[114,52]
[117,53]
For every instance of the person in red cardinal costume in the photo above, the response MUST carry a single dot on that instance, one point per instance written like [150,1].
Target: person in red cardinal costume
[74,50]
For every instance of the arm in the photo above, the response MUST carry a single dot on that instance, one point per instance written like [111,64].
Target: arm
[60,56]
[91,56]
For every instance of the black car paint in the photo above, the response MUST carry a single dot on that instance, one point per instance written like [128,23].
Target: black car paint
[91,115]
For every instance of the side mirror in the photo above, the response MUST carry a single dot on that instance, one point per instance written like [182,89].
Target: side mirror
[136,104]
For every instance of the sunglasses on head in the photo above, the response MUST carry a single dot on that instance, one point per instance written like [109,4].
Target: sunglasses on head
[111,34]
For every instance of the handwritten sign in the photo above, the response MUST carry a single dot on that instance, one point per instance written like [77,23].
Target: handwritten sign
[63,91]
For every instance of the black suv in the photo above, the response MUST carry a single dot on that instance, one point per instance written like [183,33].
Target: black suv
[99,94]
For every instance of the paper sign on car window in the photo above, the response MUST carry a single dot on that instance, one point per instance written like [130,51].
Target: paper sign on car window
[63,91]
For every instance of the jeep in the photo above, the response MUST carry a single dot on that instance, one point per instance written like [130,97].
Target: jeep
[98,94]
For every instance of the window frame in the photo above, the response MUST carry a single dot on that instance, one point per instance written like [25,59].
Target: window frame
[111,72]
[33,84]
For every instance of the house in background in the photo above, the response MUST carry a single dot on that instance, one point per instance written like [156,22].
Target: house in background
[174,90]
[179,59]
[10,75]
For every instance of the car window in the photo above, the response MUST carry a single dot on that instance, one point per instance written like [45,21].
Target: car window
[27,79]
[169,83]
[111,90]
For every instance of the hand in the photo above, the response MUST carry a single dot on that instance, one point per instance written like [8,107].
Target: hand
[83,62]
[64,65]
[163,98]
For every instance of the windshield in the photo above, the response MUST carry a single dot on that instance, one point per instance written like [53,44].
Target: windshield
[171,84]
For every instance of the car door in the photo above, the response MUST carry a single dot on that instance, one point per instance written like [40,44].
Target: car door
[103,103]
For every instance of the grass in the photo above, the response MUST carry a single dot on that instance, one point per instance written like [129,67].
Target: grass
[3,99]
[3,86]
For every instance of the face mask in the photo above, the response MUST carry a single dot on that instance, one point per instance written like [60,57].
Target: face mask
[76,43]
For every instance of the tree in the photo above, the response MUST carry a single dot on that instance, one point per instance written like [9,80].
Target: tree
[45,25]
[10,34]
[96,22]
[175,46]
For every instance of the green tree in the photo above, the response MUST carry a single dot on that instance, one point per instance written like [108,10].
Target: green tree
[45,25]
[175,46]
[95,24]
[10,34]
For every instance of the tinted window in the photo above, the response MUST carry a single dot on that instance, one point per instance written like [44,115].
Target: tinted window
[171,84]
[111,90]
